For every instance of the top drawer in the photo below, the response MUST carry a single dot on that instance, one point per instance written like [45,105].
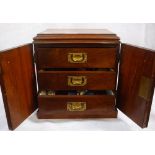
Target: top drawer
[76,57]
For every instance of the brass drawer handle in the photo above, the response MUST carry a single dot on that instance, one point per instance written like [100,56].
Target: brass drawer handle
[77,80]
[76,106]
[77,57]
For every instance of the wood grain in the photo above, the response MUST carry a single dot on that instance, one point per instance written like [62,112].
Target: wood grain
[97,106]
[53,68]
[135,64]
[18,84]
[58,57]
[76,36]
[58,80]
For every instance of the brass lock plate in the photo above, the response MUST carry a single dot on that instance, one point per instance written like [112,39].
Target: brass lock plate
[145,87]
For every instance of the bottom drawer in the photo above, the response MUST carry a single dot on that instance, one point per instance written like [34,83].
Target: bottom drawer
[76,106]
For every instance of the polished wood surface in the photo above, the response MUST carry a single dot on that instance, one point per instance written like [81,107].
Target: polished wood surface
[135,82]
[76,36]
[100,106]
[76,31]
[58,80]
[135,97]
[87,53]
[18,84]
[58,57]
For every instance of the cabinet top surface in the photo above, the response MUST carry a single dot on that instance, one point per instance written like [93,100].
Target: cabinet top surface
[76,36]
[76,31]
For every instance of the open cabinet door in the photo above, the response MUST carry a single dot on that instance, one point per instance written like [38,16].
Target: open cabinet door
[18,84]
[136,83]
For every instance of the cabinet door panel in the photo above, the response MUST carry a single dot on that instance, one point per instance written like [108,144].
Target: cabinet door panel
[18,84]
[136,83]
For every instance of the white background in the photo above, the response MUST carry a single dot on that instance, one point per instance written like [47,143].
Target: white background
[77,11]
[142,34]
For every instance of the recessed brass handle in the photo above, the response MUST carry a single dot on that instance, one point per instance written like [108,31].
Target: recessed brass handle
[77,57]
[77,80]
[76,106]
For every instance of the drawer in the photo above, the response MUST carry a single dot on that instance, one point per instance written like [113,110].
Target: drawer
[76,57]
[82,106]
[77,80]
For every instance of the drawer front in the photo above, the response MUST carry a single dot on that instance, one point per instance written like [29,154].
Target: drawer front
[77,80]
[77,106]
[76,57]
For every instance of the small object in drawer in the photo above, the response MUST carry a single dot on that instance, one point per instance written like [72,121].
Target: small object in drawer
[90,93]
[72,93]
[43,92]
[82,92]
[51,92]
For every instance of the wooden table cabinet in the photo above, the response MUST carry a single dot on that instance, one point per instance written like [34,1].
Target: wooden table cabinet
[77,73]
